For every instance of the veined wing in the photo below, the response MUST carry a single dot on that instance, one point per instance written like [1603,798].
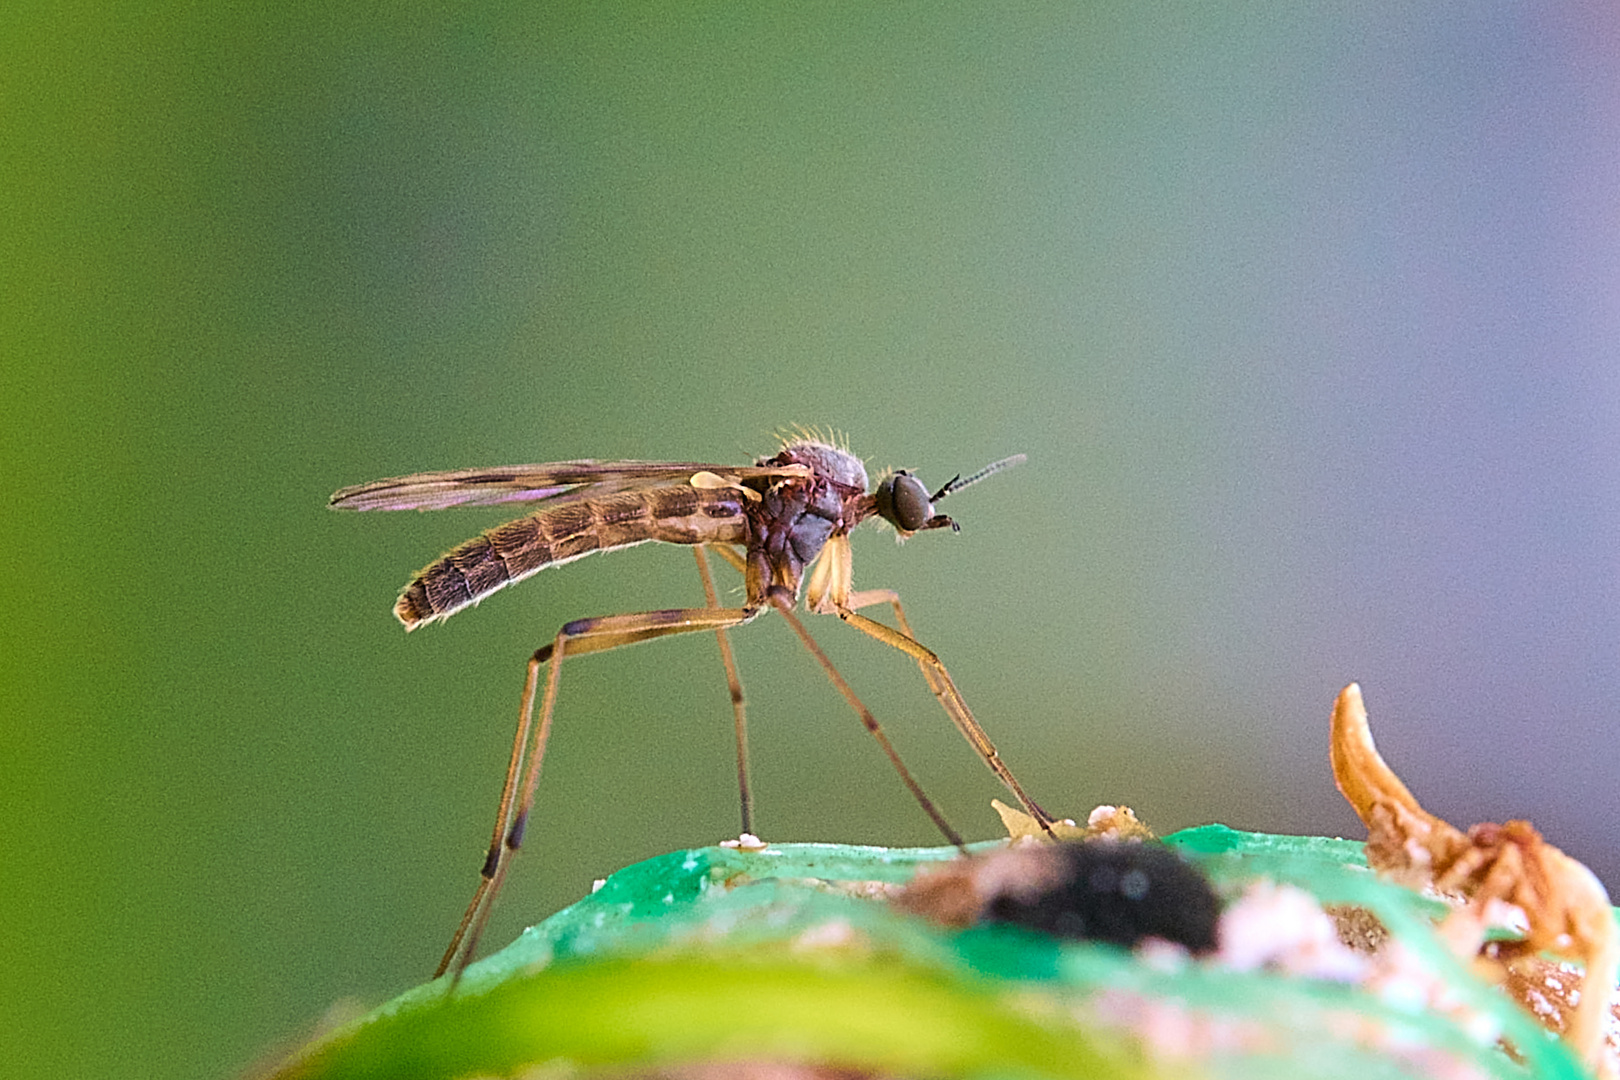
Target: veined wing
[556,482]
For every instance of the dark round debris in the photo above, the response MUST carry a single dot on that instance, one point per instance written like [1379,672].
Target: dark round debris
[1114,891]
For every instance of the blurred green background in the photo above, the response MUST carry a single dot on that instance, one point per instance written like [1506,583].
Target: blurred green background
[1305,316]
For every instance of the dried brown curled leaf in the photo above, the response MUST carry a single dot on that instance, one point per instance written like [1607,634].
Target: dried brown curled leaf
[1566,910]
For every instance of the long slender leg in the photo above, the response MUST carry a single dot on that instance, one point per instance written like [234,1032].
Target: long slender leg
[829,592]
[731,555]
[783,602]
[487,876]
[739,708]
[939,681]
[578,637]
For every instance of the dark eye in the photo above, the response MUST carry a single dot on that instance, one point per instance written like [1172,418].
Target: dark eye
[903,502]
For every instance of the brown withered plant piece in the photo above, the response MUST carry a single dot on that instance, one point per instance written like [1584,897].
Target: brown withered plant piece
[1565,906]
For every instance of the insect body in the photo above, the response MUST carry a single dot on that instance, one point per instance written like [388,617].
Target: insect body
[772,520]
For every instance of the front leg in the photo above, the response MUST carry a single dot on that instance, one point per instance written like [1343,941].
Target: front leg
[939,681]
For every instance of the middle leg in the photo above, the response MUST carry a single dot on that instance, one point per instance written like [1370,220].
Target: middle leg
[739,707]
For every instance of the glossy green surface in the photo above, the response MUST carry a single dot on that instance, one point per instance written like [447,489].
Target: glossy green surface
[718,954]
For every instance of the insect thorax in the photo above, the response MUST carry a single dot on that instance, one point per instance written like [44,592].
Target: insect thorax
[794,520]
[829,463]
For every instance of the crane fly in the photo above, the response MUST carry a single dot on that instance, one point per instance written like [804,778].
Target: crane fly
[772,521]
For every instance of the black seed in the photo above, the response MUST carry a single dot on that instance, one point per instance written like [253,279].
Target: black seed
[1118,892]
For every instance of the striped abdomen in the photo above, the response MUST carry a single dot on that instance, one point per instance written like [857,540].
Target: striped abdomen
[677,514]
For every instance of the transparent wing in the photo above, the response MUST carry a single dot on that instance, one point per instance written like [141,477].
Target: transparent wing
[557,481]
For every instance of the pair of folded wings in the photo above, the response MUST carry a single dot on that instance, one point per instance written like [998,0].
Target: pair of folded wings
[556,482]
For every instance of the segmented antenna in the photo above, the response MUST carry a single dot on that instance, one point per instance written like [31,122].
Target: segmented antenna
[957,483]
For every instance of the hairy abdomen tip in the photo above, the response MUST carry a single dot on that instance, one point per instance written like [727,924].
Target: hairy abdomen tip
[412,610]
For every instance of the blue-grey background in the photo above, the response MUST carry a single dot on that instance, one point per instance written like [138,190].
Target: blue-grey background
[1306,317]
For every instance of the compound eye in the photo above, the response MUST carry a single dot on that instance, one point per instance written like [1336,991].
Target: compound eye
[902,501]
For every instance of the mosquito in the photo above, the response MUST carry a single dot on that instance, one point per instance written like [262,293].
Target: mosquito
[772,521]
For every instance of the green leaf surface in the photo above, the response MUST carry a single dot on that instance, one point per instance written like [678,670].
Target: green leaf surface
[790,955]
